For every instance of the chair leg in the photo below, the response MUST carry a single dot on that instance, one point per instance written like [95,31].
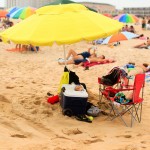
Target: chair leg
[118,114]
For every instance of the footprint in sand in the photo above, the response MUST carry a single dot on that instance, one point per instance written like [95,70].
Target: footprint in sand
[72,132]
[126,136]
[18,135]
[143,142]
[4,99]
[10,87]
[93,141]
[38,102]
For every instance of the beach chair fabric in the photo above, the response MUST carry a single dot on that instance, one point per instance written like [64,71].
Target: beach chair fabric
[134,107]
[113,79]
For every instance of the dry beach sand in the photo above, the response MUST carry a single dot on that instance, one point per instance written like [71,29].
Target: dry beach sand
[28,122]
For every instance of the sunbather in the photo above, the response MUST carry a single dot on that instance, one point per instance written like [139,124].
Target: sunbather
[78,58]
[138,69]
[144,45]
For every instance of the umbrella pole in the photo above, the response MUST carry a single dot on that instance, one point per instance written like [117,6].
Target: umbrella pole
[65,55]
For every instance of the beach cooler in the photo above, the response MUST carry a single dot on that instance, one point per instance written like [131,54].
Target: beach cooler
[73,102]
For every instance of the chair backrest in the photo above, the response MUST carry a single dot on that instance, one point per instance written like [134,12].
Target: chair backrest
[138,85]
[112,78]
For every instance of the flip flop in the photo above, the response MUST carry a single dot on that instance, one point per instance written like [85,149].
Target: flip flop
[83,118]
[49,94]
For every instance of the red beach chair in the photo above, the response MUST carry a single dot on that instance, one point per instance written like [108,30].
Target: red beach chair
[134,107]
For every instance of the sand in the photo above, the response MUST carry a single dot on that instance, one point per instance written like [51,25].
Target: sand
[28,122]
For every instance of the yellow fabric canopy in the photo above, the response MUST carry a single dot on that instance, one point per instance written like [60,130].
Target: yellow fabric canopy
[61,24]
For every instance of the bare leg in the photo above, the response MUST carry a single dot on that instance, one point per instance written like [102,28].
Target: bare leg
[71,53]
[68,62]
[18,45]
[140,45]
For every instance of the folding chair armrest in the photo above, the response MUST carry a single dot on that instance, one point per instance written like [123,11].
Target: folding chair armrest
[99,80]
[129,89]
[118,90]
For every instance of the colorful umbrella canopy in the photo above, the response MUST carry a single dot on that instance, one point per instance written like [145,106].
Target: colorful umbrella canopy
[22,13]
[28,11]
[12,10]
[120,37]
[61,24]
[58,2]
[126,18]
[3,13]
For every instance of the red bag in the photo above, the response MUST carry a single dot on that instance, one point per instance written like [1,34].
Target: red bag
[54,99]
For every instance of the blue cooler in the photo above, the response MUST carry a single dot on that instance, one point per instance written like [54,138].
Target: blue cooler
[73,102]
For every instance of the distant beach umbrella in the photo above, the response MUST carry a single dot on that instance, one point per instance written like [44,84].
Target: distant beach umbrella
[119,37]
[12,10]
[28,11]
[127,18]
[23,13]
[3,13]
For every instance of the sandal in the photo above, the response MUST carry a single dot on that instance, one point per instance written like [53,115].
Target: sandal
[83,118]
[49,94]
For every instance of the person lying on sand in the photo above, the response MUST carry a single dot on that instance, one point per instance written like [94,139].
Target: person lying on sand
[138,69]
[80,62]
[144,45]
[78,58]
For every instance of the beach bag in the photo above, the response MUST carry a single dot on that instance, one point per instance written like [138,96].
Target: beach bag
[112,77]
[73,78]
[64,79]
[93,111]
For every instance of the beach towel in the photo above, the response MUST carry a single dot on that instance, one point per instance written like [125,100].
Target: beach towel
[147,77]
[15,50]
[90,64]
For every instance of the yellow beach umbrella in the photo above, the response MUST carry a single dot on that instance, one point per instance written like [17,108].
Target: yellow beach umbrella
[61,24]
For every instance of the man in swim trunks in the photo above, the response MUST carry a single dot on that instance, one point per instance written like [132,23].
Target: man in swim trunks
[78,58]
[82,55]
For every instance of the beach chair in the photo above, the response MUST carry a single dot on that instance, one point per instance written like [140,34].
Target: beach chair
[134,107]
[112,79]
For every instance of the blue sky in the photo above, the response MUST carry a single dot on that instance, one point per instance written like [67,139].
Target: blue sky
[118,3]
[123,3]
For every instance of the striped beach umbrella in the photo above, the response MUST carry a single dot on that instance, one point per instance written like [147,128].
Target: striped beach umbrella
[23,13]
[119,37]
[127,18]
[12,10]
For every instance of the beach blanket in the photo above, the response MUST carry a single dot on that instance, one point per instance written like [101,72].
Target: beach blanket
[90,64]
[147,77]
[15,50]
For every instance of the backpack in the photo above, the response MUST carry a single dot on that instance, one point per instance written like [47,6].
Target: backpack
[112,78]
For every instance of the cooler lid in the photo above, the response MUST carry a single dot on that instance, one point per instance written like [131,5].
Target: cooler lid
[70,92]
